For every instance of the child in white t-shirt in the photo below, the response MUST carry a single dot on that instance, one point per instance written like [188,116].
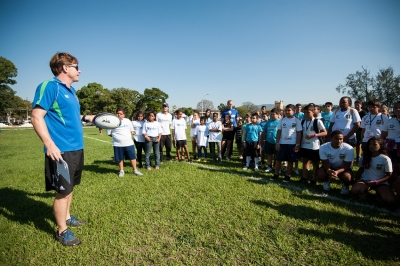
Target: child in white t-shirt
[193,124]
[123,143]
[201,134]
[152,133]
[215,137]
[138,137]
[179,136]
[375,171]
[310,144]
[288,140]
[373,123]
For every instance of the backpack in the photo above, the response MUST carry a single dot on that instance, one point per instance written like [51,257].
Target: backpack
[316,130]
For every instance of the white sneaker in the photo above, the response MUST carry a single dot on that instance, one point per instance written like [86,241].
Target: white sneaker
[256,169]
[344,190]
[327,186]
[241,157]
[121,173]
[136,172]
[245,168]
[269,170]
[296,171]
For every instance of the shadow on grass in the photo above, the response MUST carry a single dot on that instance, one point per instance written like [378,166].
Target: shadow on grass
[216,167]
[372,199]
[98,166]
[17,206]
[366,236]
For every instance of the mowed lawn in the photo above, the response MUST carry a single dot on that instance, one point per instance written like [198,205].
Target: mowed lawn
[184,214]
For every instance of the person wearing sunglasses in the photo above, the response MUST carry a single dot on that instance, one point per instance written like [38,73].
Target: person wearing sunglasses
[56,120]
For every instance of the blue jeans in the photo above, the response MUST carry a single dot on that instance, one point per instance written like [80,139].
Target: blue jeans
[156,151]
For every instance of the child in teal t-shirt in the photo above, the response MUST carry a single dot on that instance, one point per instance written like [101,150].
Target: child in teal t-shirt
[269,137]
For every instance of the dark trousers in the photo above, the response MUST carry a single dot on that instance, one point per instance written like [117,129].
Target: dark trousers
[230,149]
[139,151]
[165,141]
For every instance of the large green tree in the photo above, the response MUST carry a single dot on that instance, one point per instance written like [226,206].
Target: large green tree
[126,98]
[94,99]
[8,71]
[188,111]
[152,99]
[242,110]
[359,86]
[387,87]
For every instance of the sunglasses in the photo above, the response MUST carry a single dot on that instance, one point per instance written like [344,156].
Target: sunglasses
[75,66]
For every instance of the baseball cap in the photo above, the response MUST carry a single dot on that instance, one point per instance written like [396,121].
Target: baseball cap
[165,104]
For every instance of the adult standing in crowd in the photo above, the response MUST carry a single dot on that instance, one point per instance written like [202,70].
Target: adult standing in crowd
[234,114]
[56,120]
[165,120]
[345,119]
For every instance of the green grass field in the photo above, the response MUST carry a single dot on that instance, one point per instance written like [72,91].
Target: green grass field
[184,214]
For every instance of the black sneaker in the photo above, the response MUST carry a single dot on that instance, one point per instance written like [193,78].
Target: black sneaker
[303,180]
[190,161]
[286,179]
[73,221]
[275,177]
[313,182]
[67,238]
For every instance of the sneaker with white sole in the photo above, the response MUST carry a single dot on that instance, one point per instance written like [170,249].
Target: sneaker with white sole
[256,169]
[121,173]
[227,158]
[269,170]
[245,168]
[344,190]
[286,179]
[136,172]
[327,186]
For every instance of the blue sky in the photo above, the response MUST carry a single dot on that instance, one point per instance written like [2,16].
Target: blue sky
[258,51]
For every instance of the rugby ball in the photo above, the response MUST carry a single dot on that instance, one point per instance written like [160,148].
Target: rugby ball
[106,121]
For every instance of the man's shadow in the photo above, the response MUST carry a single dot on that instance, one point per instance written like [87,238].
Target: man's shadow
[17,206]
[374,239]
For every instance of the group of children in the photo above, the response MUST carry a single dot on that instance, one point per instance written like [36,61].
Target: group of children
[281,138]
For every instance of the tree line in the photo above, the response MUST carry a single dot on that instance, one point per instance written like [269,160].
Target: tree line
[385,86]
[94,98]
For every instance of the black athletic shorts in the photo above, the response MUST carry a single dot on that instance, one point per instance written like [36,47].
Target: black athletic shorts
[57,182]
[180,143]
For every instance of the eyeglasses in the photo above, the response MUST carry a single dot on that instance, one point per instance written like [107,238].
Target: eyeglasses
[75,66]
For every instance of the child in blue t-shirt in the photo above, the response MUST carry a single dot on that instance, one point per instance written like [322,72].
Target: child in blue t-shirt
[298,113]
[252,135]
[269,137]
[326,116]
[264,120]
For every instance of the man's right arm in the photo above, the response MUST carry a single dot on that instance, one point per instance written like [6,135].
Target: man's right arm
[41,130]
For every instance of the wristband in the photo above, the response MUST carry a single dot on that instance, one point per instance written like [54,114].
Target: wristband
[315,135]
[376,182]
[84,118]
